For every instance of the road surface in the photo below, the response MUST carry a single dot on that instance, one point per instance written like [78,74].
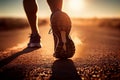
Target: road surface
[97,55]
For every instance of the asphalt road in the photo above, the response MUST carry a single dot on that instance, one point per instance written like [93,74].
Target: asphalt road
[97,56]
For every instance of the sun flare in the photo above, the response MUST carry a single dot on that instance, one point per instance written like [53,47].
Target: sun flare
[76,5]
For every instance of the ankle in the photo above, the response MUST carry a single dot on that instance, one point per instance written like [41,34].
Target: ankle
[35,34]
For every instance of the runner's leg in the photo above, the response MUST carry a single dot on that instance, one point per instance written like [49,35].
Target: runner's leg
[30,7]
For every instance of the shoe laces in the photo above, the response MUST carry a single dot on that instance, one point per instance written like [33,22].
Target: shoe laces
[50,30]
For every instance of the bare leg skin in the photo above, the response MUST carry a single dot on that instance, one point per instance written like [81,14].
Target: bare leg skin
[55,5]
[61,26]
[31,8]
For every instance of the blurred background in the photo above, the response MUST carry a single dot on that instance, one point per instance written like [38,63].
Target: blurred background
[95,32]
[95,13]
[75,8]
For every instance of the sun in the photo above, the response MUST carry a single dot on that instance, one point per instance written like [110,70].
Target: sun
[76,5]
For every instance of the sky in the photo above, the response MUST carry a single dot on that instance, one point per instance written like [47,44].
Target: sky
[74,8]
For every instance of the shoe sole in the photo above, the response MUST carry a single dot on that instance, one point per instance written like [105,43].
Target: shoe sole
[61,26]
[34,45]
[65,47]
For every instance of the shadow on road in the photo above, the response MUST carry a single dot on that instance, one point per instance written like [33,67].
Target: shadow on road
[12,57]
[64,70]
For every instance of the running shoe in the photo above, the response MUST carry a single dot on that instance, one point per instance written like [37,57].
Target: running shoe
[34,41]
[63,45]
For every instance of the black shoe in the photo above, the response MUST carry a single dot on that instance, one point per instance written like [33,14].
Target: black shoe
[61,26]
[34,41]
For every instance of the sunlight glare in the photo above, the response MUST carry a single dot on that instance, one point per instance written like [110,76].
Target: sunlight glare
[76,39]
[76,5]
[18,46]
[78,45]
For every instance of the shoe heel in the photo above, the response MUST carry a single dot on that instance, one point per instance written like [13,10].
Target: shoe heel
[63,36]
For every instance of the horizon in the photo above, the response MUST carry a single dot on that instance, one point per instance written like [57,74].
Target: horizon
[78,9]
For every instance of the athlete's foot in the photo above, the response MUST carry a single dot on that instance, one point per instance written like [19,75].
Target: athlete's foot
[34,41]
[61,26]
